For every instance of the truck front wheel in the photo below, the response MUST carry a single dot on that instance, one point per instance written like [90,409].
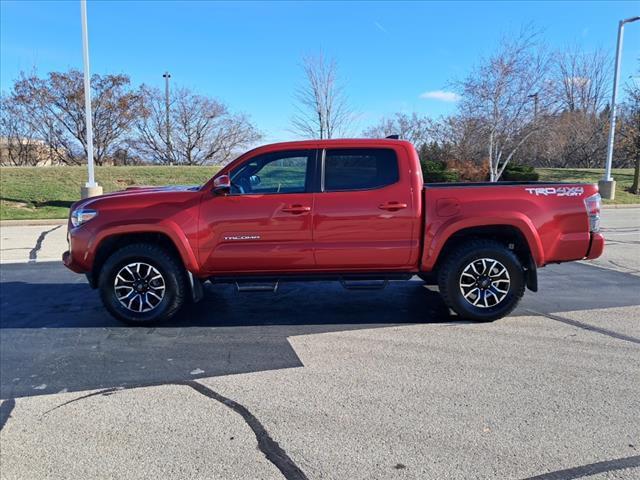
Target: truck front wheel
[481,280]
[142,284]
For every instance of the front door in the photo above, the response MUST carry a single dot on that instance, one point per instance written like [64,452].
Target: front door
[265,223]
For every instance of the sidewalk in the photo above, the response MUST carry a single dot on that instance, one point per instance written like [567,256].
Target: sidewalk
[31,243]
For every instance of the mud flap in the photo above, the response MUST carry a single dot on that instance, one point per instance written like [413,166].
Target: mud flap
[197,288]
[531,275]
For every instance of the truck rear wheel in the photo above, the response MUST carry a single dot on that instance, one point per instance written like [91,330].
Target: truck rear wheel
[482,280]
[142,284]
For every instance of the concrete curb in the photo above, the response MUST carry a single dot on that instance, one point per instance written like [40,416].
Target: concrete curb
[621,205]
[33,222]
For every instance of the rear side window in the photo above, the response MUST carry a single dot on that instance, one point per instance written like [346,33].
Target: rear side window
[359,169]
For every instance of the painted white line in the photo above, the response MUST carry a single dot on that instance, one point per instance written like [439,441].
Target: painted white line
[622,234]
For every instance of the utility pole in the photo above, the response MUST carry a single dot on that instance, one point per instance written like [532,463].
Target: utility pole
[535,106]
[535,124]
[607,185]
[91,188]
[50,142]
[166,77]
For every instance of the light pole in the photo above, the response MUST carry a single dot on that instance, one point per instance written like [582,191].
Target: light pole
[607,185]
[535,124]
[166,77]
[91,188]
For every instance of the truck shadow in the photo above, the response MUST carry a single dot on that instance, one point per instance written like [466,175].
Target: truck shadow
[57,337]
[75,305]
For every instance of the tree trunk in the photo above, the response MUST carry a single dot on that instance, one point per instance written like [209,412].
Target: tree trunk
[636,177]
[492,175]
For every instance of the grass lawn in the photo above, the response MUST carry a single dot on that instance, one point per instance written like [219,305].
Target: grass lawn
[47,192]
[35,193]
[623,177]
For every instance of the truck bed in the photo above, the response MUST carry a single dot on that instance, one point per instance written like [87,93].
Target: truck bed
[551,216]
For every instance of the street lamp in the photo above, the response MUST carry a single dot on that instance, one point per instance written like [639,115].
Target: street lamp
[607,185]
[535,123]
[166,77]
[91,188]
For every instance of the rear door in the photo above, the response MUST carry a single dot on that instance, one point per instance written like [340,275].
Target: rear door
[363,215]
[265,224]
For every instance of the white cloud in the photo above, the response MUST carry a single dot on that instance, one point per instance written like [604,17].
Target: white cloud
[441,96]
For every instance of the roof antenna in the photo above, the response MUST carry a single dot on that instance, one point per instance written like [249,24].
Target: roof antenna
[393,137]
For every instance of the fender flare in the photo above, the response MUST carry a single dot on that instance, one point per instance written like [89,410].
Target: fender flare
[438,239]
[167,228]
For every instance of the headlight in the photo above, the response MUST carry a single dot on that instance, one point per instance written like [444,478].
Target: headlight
[82,215]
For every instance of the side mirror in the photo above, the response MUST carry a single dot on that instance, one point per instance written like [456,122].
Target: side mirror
[222,185]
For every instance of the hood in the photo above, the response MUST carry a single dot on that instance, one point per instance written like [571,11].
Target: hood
[136,192]
[137,189]
[167,188]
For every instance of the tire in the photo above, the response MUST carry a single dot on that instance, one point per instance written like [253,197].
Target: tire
[463,281]
[143,284]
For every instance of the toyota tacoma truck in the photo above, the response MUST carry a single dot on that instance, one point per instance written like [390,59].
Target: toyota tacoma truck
[356,211]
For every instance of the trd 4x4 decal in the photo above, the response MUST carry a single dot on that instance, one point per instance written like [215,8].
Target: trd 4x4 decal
[557,191]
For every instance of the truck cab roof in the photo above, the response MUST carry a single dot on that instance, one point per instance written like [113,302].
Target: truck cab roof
[328,143]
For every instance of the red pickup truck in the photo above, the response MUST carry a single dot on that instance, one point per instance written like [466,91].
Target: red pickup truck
[356,211]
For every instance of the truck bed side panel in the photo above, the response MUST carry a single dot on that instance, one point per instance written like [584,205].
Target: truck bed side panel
[551,217]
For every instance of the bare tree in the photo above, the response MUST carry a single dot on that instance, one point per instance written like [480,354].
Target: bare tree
[55,107]
[497,96]
[322,110]
[581,80]
[454,142]
[202,129]
[150,137]
[415,128]
[464,138]
[575,135]
[18,140]
[573,139]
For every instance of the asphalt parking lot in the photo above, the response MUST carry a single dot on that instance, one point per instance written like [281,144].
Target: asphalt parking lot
[318,382]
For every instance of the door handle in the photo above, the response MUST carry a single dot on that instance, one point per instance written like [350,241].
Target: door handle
[296,209]
[392,206]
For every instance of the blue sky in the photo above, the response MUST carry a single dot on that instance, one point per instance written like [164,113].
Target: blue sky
[248,53]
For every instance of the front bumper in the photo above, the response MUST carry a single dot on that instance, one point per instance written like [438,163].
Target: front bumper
[79,257]
[72,265]
[596,246]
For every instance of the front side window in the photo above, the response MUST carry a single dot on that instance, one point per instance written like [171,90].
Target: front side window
[359,169]
[280,172]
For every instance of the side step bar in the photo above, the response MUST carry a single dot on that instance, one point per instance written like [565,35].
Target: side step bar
[257,287]
[243,287]
[364,284]
[318,277]
[349,281]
